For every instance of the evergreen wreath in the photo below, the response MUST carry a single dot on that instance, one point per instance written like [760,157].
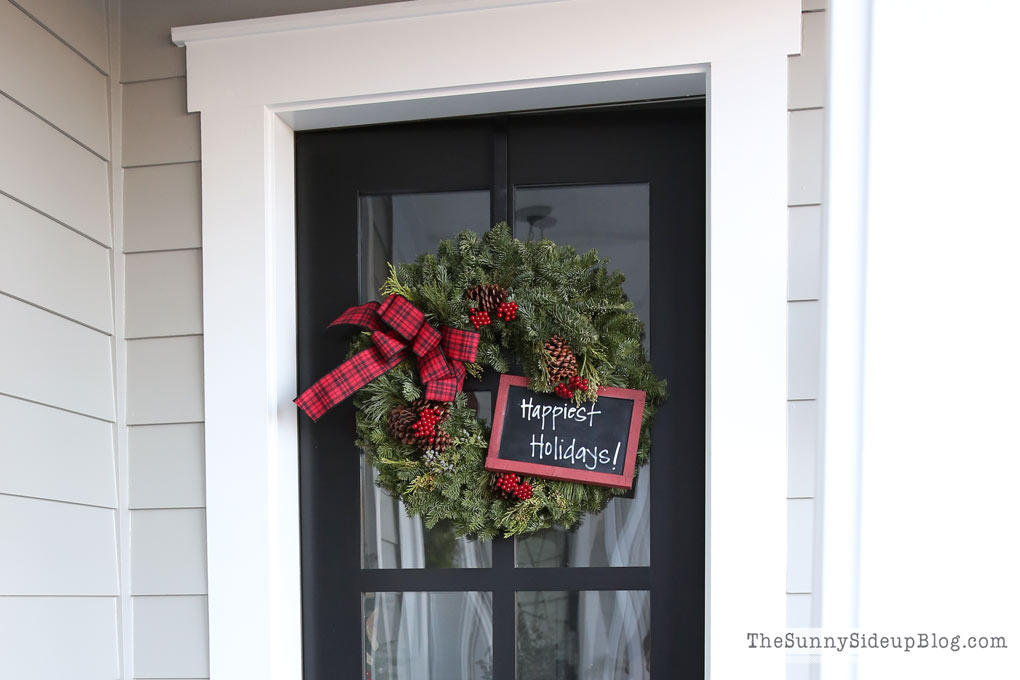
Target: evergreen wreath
[560,318]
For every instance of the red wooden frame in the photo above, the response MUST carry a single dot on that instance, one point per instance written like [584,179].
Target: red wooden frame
[622,481]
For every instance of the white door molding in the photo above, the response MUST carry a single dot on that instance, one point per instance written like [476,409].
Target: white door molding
[257,81]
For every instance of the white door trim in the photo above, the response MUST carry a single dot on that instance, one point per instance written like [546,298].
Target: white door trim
[256,82]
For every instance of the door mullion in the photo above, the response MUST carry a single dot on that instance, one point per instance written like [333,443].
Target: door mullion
[504,597]
[495,578]
[500,169]
[504,610]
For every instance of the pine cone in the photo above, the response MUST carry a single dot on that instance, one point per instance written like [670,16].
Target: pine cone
[488,297]
[443,439]
[400,422]
[437,439]
[560,359]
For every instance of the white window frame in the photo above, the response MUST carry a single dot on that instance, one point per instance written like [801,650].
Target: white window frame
[257,81]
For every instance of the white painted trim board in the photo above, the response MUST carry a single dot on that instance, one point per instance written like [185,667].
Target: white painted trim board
[240,81]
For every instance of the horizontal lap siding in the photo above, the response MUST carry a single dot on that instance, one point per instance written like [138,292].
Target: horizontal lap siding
[171,637]
[802,434]
[798,610]
[164,381]
[163,207]
[54,454]
[43,168]
[48,78]
[164,294]
[168,552]
[807,70]
[800,553]
[157,126]
[167,464]
[60,576]
[805,247]
[806,129]
[52,267]
[61,548]
[48,359]
[163,324]
[58,638]
[81,24]
[804,345]
[806,101]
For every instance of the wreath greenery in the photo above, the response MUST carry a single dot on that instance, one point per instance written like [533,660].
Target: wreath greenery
[558,292]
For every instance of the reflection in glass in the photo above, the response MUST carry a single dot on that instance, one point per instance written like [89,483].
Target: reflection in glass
[617,537]
[611,218]
[583,635]
[392,540]
[481,401]
[398,227]
[428,636]
[614,220]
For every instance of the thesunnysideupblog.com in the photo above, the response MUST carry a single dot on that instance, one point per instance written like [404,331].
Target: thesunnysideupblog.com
[814,641]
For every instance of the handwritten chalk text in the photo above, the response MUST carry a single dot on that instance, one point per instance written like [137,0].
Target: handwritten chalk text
[532,411]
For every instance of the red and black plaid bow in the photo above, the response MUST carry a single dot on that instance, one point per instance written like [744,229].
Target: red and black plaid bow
[398,330]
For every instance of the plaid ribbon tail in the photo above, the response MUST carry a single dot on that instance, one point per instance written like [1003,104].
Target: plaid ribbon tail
[344,380]
[366,315]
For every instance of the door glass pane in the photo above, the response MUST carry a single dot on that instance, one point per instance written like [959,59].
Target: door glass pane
[392,540]
[428,636]
[614,220]
[397,228]
[610,218]
[576,635]
[617,537]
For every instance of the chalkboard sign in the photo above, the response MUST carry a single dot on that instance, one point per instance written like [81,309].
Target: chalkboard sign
[546,436]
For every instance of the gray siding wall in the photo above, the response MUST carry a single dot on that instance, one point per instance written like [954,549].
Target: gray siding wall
[807,96]
[163,329]
[60,520]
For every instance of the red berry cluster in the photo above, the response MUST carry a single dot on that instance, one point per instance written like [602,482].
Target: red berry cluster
[579,383]
[566,390]
[507,310]
[479,318]
[425,427]
[511,486]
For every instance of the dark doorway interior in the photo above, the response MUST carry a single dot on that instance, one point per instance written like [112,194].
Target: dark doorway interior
[625,592]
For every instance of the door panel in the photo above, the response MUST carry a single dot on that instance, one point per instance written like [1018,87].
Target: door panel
[397,227]
[415,635]
[334,170]
[609,218]
[665,150]
[577,635]
[622,593]
[617,537]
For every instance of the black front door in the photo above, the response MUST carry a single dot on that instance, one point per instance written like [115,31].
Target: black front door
[622,594]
